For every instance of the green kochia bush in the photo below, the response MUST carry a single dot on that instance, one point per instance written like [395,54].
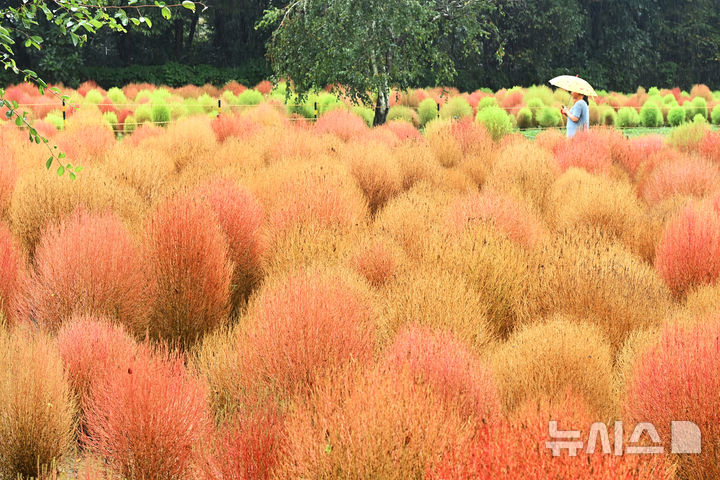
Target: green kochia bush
[160,114]
[208,104]
[676,115]
[549,117]
[487,102]
[495,120]
[111,119]
[715,115]
[650,115]
[143,114]
[608,116]
[116,96]
[427,111]
[130,125]
[250,97]
[94,96]
[406,114]
[698,106]
[55,119]
[456,107]
[627,117]
[525,118]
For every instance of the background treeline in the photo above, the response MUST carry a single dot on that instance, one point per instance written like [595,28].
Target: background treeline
[615,44]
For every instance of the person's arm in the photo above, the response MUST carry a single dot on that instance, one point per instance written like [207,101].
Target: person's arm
[569,114]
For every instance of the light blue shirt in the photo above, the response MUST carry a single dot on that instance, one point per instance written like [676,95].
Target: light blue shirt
[582,112]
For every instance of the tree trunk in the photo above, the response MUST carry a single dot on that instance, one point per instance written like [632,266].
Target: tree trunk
[191,34]
[178,38]
[382,106]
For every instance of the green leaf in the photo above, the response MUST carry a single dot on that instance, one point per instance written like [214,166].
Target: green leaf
[78,169]
[60,171]
[189,5]
[9,114]
[48,163]
[72,176]
[18,121]
[166,13]
[61,155]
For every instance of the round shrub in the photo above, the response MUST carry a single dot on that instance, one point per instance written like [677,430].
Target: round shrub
[94,96]
[650,115]
[36,422]
[495,120]
[516,449]
[375,171]
[687,137]
[509,215]
[427,111]
[325,323]
[676,377]
[341,123]
[715,115]
[545,360]
[160,114]
[405,114]
[608,116]
[241,216]
[88,264]
[448,367]
[627,117]
[55,119]
[549,117]
[588,150]
[117,96]
[676,116]
[370,424]
[686,176]
[188,259]
[698,106]
[207,103]
[487,102]
[524,118]
[456,108]
[147,419]
[91,347]
[129,125]
[699,118]
[376,262]
[143,114]
[112,120]
[250,97]
[688,254]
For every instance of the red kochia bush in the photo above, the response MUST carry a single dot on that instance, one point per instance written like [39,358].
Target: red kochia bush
[689,250]
[88,264]
[440,361]
[308,325]
[87,143]
[516,449]
[147,420]
[687,176]
[341,123]
[91,347]
[230,125]
[404,130]
[10,265]
[639,148]
[247,447]
[710,146]
[188,257]
[678,379]
[375,262]
[587,150]
[511,217]
[240,215]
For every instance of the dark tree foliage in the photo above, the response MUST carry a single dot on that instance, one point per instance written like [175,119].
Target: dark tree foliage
[615,44]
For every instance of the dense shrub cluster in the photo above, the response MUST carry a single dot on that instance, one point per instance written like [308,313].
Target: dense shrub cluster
[259,295]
